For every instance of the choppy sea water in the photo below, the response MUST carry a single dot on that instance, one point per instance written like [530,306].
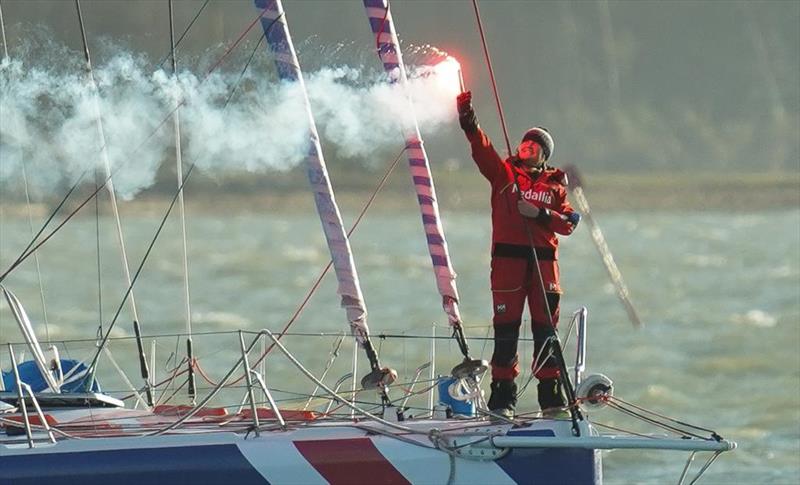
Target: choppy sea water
[719,294]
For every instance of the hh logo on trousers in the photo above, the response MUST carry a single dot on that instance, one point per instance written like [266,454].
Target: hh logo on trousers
[500,308]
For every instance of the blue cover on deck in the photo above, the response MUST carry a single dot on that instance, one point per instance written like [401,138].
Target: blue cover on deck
[74,373]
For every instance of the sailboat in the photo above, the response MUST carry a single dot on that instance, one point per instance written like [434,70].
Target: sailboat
[58,424]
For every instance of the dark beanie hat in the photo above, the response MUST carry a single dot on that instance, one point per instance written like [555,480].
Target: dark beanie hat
[541,136]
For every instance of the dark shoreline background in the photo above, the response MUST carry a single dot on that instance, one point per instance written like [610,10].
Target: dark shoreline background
[457,190]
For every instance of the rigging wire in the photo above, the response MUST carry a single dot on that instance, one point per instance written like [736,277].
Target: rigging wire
[191,363]
[491,75]
[556,347]
[286,334]
[6,58]
[36,256]
[27,251]
[680,432]
[93,366]
[3,31]
[112,199]
[106,162]
[682,423]
[238,39]
[99,266]
[177,43]
[324,272]
[33,246]
[247,64]
[181,206]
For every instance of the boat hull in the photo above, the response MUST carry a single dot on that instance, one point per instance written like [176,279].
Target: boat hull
[319,454]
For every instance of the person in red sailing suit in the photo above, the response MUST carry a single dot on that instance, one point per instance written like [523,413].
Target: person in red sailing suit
[529,207]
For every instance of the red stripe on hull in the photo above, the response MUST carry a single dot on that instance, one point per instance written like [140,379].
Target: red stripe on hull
[350,461]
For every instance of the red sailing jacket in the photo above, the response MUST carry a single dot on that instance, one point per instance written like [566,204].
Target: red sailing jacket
[544,189]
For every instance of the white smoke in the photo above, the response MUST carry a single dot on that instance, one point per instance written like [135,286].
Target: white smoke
[49,119]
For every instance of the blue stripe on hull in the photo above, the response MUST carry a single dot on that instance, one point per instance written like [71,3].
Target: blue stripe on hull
[552,466]
[190,465]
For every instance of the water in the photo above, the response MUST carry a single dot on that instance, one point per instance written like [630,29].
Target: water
[719,293]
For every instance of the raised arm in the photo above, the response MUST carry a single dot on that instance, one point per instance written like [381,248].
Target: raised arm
[486,158]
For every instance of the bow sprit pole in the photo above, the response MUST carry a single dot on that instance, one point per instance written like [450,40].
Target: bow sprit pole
[388,47]
[276,31]
[614,274]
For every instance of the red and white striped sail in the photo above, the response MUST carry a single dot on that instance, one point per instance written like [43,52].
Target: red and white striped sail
[380,19]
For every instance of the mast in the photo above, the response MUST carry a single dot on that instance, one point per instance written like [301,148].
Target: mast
[276,32]
[181,209]
[380,19]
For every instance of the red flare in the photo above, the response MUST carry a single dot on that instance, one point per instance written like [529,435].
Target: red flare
[449,71]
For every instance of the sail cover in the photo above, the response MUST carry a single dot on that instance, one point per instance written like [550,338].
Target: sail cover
[380,19]
[276,32]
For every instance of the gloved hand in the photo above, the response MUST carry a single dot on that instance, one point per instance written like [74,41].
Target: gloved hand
[466,114]
[574,218]
[527,209]
[464,102]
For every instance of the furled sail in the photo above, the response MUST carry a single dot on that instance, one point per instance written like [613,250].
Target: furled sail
[276,31]
[380,19]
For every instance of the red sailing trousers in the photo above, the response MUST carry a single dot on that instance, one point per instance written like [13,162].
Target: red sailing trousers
[514,281]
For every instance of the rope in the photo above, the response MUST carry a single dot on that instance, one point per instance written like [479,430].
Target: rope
[491,75]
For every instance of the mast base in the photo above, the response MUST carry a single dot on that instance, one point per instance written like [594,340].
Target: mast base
[470,368]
